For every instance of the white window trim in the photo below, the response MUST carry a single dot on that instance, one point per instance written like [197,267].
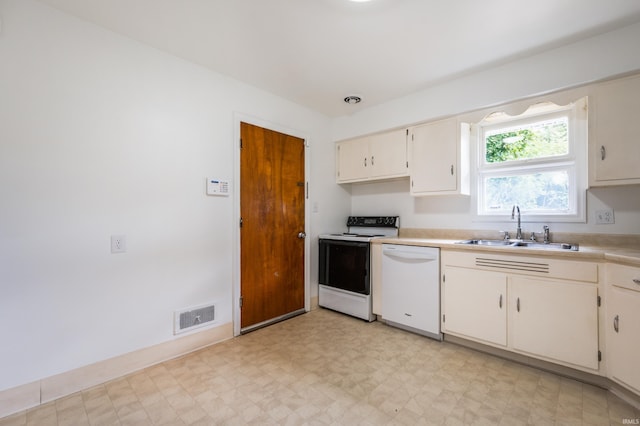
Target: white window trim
[578,147]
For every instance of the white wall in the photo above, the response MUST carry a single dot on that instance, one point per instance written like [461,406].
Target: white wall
[100,135]
[577,64]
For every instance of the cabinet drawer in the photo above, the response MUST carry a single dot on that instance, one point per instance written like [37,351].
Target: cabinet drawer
[623,276]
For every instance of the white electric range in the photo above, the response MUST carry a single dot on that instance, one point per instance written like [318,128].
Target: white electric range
[344,265]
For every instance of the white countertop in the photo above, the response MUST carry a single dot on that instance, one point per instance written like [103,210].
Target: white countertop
[611,254]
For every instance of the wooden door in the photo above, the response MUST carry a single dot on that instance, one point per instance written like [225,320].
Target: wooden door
[272,197]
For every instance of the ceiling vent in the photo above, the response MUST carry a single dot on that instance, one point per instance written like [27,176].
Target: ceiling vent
[352,99]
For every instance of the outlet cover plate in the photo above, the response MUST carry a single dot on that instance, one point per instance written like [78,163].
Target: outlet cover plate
[118,244]
[605,216]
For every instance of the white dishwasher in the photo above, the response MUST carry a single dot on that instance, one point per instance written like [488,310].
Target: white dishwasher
[411,288]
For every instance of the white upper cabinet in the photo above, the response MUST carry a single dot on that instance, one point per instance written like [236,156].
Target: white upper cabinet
[376,157]
[439,158]
[614,142]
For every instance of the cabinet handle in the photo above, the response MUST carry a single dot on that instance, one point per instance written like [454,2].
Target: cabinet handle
[365,161]
[372,161]
[603,152]
[616,323]
[500,302]
[518,304]
[452,170]
[636,280]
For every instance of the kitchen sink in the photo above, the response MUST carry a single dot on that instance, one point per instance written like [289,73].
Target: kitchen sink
[487,242]
[521,244]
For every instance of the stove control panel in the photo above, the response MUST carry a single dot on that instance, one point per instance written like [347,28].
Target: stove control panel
[374,221]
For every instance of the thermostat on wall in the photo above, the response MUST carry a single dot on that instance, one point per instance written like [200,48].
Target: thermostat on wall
[217,187]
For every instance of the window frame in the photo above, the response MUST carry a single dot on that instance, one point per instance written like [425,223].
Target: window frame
[574,161]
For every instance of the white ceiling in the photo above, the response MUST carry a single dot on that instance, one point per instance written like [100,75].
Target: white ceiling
[316,52]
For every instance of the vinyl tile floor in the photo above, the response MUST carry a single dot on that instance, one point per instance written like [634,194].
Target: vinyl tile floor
[325,368]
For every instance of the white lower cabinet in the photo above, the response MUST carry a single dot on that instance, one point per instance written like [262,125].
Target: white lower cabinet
[533,306]
[623,325]
[475,303]
[554,319]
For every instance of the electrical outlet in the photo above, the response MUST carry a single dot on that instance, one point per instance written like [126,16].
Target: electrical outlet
[605,216]
[118,244]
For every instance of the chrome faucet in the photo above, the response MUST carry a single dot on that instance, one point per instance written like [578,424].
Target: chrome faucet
[516,210]
[545,231]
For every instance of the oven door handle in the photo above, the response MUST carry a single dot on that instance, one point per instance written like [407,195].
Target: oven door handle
[408,255]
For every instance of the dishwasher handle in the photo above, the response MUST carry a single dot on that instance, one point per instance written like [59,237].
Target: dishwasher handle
[412,255]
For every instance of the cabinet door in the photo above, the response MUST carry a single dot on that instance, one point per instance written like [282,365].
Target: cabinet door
[554,319]
[440,158]
[615,145]
[388,154]
[434,157]
[623,332]
[353,160]
[475,304]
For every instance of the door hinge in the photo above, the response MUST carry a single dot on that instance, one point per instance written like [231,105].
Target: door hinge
[599,356]
[599,301]
[240,222]
[241,302]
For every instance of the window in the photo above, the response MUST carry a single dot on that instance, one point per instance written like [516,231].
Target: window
[536,161]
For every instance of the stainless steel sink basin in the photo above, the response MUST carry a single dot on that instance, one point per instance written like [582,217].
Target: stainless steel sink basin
[547,246]
[487,242]
[522,244]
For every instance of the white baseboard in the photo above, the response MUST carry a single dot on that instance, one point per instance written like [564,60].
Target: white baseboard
[314,302]
[48,389]
[19,398]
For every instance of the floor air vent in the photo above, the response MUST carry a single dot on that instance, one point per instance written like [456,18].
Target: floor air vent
[195,317]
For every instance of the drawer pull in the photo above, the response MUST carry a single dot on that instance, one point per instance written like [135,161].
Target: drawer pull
[636,280]
[616,323]
[500,302]
[518,304]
